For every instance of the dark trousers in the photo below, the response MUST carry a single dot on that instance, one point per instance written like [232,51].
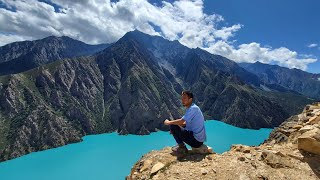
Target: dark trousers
[182,135]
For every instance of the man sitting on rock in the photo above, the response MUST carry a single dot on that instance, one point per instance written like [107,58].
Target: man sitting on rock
[190,128]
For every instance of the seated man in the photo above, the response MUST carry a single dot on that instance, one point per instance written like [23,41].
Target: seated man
[190,128]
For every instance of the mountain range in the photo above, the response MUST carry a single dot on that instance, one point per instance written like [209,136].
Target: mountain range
[21,56]
[297,80]
[55,90]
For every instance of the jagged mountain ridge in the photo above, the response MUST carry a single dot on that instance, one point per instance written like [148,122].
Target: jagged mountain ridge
[300,81]
[22,56]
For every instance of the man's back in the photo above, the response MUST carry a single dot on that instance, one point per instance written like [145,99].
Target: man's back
[195,122]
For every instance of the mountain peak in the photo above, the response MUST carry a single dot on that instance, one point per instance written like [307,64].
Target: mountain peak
[258,62]
[59,38]
[21,56]
[136,34]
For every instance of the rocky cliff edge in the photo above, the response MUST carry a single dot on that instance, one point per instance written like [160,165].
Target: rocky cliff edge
[292,151]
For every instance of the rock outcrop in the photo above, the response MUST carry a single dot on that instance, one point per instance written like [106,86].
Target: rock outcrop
[291,152]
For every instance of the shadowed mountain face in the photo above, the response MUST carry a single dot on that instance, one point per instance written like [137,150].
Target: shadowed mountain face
[137,94]
[21,56]
[130,87]
[303,82]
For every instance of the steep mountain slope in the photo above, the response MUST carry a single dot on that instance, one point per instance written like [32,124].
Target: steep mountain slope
[137,92]
[223,89]
[21,56]
[51,106]
[300,81]
[170,54]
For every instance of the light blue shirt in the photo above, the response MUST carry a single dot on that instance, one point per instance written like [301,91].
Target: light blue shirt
[195,122]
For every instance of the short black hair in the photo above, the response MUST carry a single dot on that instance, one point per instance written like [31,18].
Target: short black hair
[188,93]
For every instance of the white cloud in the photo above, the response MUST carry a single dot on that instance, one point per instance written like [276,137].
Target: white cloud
[8,38]
[254,52]
[226,32]
[102,21]
[312,45]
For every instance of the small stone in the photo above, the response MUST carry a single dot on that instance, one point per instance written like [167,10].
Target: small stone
[262,177]
[146,165]
[158,166]
[254,165]
[297,127]
[248,156]
[204,171]
[241,158]
[204,165]
[209,157]
[296,156]
[247,150]
[213,170]
[236,147]
[279,154]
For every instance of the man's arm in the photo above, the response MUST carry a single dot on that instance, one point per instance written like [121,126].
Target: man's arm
[179,122]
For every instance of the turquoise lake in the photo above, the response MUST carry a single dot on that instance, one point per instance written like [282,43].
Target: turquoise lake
[111,156]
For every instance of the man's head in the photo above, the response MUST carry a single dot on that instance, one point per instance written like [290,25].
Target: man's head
[186,98]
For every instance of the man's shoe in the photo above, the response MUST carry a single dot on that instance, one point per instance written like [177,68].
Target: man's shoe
[203,149]
[180,149]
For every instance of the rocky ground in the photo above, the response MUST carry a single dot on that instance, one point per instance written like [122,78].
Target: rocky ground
[291,152]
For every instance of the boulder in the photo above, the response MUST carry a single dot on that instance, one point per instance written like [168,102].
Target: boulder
[297,127]
[274,160]
[310,141]
[240,148]
[313,120]
[306,128]
[313,107]
[146,165]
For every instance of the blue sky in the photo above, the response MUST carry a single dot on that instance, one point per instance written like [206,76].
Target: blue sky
[279,32]
[289,23]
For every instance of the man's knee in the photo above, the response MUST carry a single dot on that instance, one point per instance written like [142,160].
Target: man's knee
[174,129]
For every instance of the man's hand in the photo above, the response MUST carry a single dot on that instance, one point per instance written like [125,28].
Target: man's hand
[166,122]
[183,124]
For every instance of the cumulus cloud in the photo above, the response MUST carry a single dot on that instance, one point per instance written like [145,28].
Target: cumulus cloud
[105,21]
[312,45]
[254,52]
[9,38]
